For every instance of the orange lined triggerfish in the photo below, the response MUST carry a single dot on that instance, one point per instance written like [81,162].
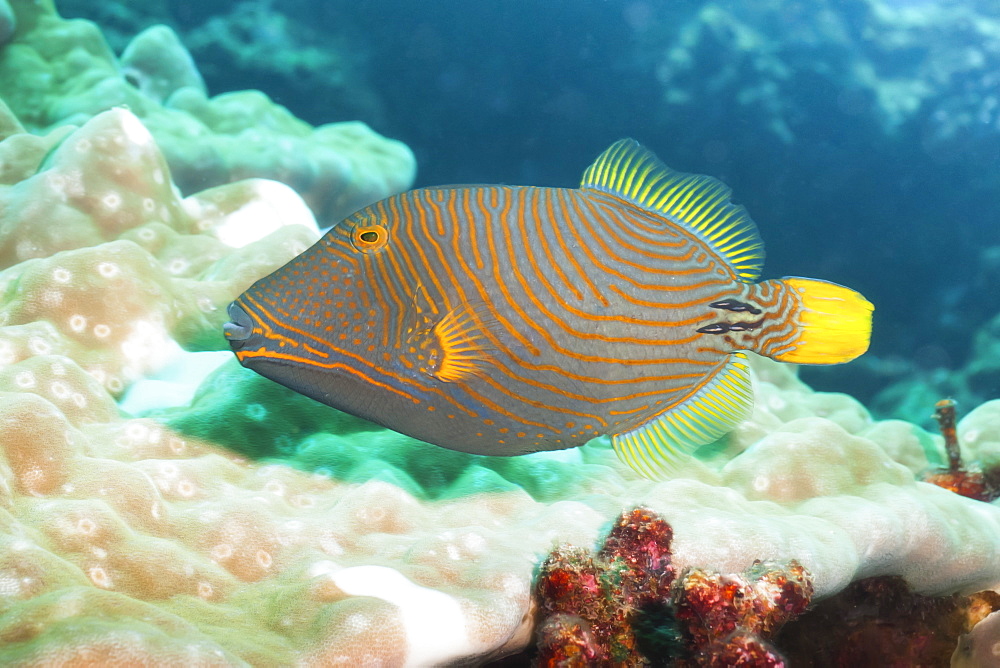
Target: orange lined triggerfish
[503,320]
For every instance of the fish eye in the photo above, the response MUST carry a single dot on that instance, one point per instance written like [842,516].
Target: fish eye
[368,238]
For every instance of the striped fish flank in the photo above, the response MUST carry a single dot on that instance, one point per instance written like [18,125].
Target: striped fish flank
[504,320]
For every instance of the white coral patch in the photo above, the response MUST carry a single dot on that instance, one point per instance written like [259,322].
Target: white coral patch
[39,346]
[433,621]
[175,384]
[112,201]
[272,205]
[133,128]
[147,345]
[108,269]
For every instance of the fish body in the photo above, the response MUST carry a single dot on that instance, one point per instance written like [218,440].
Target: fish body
[505,320]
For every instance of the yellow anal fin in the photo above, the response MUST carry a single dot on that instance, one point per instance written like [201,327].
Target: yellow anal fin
[833,323]
[462,348]
[656,448]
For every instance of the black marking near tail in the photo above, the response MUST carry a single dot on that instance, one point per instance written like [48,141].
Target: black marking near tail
[724,327]
[733,305]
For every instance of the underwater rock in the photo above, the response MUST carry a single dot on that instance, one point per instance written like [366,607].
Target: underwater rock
[881,622]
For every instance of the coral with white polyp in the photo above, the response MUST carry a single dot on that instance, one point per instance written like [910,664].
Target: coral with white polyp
[318,538]
[58,72]
[109,266]
[268,564]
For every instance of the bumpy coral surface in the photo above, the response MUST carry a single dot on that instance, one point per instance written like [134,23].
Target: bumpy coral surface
[251,526]
[56,72]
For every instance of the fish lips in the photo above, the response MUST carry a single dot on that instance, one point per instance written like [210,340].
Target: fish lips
[239,328]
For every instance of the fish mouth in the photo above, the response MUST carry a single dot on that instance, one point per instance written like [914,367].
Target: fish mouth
[239,328]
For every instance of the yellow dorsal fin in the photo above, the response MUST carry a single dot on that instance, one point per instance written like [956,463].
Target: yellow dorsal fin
[698,203]
[656,448]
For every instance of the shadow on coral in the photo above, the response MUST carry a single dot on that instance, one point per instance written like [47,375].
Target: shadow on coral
[257,418]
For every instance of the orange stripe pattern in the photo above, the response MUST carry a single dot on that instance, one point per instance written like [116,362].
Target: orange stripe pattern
[568,314]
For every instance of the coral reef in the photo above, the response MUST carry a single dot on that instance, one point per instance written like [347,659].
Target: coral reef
[317,62]
[969,382]
[627,606]
[133,538]
[880,622]
[902,64]
[729,619]
[112,276]
[978,648]
[961,479]
[589,604]
[250,526]
[57,72]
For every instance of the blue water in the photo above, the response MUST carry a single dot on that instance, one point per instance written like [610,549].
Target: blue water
[865,144]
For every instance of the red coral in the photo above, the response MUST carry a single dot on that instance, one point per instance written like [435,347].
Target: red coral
[589,602]
[741,650]
[640,541]
[566,641]
[714,608]
[967,481]
[591,605]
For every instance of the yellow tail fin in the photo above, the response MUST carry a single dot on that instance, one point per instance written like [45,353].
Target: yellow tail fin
[834,323]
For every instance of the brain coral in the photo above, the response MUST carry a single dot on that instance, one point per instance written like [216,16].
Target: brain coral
[252,526]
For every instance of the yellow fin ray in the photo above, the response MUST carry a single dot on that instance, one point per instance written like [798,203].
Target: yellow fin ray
[698,203]
[656,448]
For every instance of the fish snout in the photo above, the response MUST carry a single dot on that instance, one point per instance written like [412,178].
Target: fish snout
[239,327]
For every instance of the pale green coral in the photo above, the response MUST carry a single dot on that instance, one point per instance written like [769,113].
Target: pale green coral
[58,72]
[158,65]
[122,265]
[145,540]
